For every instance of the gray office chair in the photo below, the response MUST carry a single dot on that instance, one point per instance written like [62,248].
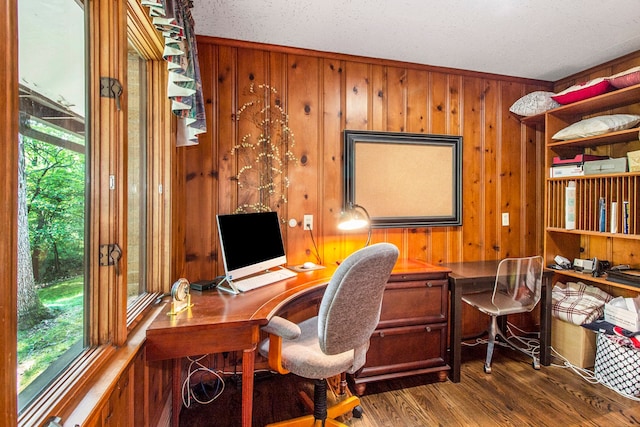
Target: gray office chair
[337,339]
[517,289]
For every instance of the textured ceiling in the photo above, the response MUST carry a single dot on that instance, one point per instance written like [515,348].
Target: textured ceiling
[539,39]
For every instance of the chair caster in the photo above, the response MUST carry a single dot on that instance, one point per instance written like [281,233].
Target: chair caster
[357,412]
[487,369]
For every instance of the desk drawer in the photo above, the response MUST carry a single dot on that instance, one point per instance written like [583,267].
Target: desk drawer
[414,302]
[406,349]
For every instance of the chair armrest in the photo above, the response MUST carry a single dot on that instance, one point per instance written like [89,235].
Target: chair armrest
[279,328]
[282,328]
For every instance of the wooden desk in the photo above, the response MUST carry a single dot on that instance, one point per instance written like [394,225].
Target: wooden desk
[219,322]
[480,275]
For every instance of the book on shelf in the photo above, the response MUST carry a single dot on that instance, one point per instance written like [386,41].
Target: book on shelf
[577,160]
[602,215]
[570,206]
[614,217]
[625,217]
[566,170]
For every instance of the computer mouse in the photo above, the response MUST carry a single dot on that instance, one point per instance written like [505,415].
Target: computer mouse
[308,264]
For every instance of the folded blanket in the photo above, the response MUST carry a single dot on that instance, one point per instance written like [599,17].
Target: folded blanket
[578,303]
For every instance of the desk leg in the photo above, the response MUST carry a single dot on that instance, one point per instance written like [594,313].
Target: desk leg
[176,392]
[248,362]
[455,329]
[545,323]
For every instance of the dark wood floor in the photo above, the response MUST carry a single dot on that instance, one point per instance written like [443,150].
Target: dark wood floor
[514,394]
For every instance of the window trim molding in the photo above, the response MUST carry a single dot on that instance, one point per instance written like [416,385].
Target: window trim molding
[142,33]
[67,387]
[107,137]
[161,136]
[9,214]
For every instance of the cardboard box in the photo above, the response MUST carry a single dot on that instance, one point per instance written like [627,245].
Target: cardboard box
[626,319]
[634,161]
[575,343]
[605,166]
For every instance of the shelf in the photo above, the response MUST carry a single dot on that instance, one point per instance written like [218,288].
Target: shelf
[594,176]
[589,189]
[626,135]
[537,119]
[585,241]
[596,104]
[590,278]
[606,101]
[594,233]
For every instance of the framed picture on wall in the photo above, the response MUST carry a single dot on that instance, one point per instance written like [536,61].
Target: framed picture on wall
[404,179]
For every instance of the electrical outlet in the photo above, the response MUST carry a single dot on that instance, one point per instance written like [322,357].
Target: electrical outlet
[505,219]
[307,222]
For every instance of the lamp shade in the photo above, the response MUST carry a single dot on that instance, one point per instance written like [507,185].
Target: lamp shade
[353,219]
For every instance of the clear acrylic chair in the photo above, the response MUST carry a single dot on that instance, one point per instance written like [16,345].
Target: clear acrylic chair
[517,289]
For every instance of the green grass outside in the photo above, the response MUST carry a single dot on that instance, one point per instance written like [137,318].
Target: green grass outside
[39,346]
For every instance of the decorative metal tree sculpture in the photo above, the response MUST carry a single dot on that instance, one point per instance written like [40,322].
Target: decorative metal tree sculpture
[263,159]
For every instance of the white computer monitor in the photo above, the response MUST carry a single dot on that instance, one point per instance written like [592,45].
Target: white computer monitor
[250,243]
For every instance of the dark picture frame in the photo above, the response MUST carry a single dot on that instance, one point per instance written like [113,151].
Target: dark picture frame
[404,179]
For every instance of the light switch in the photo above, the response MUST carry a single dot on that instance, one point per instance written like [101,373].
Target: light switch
[505,219]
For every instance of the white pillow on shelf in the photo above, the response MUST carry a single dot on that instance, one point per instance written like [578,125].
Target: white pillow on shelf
[534,103]
[597,126]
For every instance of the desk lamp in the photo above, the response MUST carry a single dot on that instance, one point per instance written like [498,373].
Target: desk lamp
[351,219]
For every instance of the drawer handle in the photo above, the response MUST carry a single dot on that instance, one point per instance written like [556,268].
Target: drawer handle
[428,328]
[381,334]
[429,284]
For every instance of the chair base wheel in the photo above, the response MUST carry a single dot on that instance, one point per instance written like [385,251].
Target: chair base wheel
[357,412]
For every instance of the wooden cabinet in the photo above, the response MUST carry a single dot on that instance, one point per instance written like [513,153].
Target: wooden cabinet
[586,241]
[411,336]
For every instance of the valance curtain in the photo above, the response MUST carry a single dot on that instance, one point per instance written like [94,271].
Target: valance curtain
[173,19]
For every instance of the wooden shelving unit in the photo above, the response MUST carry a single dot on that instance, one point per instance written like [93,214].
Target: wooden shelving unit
[586,241]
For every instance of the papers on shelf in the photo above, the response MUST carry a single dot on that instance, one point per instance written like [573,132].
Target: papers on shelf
[566,170]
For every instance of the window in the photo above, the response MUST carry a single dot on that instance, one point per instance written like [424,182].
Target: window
[136,176]
[51,193]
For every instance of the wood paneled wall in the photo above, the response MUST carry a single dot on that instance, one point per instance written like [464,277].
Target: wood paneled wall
[324,94]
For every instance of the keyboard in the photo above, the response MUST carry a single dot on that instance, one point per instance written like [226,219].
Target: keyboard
[260,280]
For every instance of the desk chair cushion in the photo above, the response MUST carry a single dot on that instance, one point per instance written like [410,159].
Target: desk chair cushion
[303,356]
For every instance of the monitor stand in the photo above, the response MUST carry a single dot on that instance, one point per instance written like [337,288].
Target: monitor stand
[227,285]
